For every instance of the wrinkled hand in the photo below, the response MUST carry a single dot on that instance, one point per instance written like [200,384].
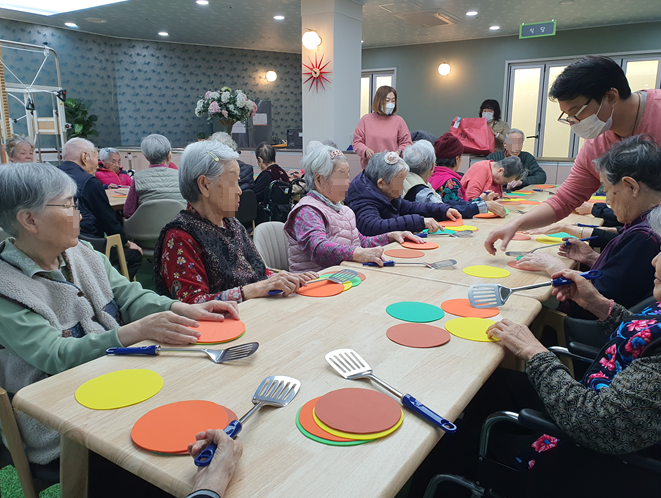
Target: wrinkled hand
[215,311]
[497,209]
[287,282]
[453,214]
[217,475]
[541,261]
[578,251]
[584,209]
[294,174]
[369,255]
[113,185]
[512,185]
[582,292]
[166,327]
[402,236]
[554,228]
[133,245]
[488,196]
[432,225]
[517,338]
[504,233]
[369,153]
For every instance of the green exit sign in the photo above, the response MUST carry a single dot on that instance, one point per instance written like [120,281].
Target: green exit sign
[537,29]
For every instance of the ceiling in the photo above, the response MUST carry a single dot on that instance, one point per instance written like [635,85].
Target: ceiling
[249,24]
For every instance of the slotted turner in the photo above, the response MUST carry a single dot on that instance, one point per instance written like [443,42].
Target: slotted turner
[215,355]
[338,277]
[490,295]
[351,366]
[564,242]
[276,390]
[433,266]
[461,233]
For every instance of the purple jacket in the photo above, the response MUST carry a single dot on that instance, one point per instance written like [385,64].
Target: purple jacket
[375,214]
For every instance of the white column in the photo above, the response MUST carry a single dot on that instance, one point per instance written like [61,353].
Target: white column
[333,113]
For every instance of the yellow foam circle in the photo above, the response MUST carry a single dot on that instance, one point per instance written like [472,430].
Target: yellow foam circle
[548,240]
[485,271]
[463,228]
[473,329]
[119,389]
[347,285]
[361,437]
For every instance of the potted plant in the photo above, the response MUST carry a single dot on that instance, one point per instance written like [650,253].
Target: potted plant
[81,123]
[227,105]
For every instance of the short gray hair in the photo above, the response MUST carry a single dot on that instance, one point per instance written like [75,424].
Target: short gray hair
[14,141]
[637,157]
[224,138]
[420,157]
[515,131]
[104,153]
[330,143]
[654,220]
[30,188]
[319,162]
[377,168]
[155,148]
[313,144]
[199,159]
[74,148]
[512,166]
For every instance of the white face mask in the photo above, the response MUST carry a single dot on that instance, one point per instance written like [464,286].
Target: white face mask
[488,115]
[390,107]
[591,127]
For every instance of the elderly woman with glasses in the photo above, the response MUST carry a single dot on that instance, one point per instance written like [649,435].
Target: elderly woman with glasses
[159,181]
[110,170]
[631,178]
[420,158]
[63,304]
[321,231]
[376,198]
[204,253]
[19,149]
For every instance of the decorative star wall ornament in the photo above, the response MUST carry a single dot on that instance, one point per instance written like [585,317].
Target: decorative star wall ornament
[316,73]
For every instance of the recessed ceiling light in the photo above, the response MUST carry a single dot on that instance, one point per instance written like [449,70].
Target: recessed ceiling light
[70,24]
[95,20]
[494,28]
[567,2]
[163,33]
[362,41]
[51,7]
[202,2]
[471,13]
[279,18]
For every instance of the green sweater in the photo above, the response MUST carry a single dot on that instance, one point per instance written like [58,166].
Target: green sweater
[536,175]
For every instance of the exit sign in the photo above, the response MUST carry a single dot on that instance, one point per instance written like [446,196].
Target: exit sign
[537,29]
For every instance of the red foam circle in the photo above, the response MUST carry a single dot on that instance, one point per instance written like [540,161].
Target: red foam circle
[423,246]
[306,419]
[521,236]
[418,335]
[358,411]
[404,253]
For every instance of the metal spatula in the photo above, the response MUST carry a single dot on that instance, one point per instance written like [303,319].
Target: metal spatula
[433,266]
[276,390]
[490,295]
[338,277]
[461,233]
[215,355]
[565,242]
[351,366]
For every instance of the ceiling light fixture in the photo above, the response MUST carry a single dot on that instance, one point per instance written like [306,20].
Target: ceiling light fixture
[163,33]
[311,40]
[70,24]
[51,7]
[271,76]
[202,2]
[494,28]
[96,20]
[567,2]
[471,13]
[279,18]
[444,69]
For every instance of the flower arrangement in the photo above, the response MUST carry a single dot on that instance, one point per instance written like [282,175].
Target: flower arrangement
[228,105]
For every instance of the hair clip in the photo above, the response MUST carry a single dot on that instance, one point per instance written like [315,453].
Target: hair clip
[391,158]
[336,153]
[213,156]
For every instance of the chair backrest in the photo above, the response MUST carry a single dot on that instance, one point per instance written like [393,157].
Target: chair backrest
[247,212]
[272,245]
[149,219]
[279,200]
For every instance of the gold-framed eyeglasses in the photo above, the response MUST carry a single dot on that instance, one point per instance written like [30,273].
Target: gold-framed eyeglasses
[73,206]
[571,120]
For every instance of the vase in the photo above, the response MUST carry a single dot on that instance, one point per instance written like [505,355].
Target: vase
[227,125]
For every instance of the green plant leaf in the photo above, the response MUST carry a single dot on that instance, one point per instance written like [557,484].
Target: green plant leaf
[77,127]
[93,118]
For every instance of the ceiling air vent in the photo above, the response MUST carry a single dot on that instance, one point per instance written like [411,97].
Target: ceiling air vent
[428,19]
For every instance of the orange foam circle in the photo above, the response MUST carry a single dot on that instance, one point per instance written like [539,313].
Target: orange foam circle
[450,223]
[418,335]
[171,428]
[323,288]
[521,236]
[423,246]
[486,215]
[525,191]
[404,253]
[215,332]
[462,307]
[306,419]
[358,411]
[542,186]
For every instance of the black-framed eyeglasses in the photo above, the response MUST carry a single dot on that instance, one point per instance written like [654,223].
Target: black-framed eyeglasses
[73,206]
[571,120]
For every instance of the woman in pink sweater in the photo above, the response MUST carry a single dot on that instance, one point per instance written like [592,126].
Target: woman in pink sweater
[381,130]
[490,176]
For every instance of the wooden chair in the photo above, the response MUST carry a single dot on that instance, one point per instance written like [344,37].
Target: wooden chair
[105,245]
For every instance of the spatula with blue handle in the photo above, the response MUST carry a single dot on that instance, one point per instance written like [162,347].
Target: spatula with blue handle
[276,390]
[338,277]
[351,366]
[490,295]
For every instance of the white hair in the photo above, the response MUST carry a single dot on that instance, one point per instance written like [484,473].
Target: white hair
[420,157]
[104,153]
[74,148]
[313,144]
[207,158]
[515,131]
[224,138]
[155,148]
[378,168]
[29,188]
[14,141]
[319,162]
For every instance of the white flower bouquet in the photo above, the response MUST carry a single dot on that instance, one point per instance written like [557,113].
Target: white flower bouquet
[227,105]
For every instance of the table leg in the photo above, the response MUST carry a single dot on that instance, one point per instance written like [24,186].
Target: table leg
[74,459]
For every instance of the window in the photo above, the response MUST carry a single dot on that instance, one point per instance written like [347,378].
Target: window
[529,109]
[370,81]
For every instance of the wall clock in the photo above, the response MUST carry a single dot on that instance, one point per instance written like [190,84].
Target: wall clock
[316,73]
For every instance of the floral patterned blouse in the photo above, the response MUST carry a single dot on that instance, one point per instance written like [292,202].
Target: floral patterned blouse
[450,190]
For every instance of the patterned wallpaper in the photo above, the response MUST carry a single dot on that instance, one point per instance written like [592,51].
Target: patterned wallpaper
[137,87]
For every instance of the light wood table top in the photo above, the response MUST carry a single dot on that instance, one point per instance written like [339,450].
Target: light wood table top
[117,197]
[294,335]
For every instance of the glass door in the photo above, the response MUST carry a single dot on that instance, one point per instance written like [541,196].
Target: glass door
[524,103]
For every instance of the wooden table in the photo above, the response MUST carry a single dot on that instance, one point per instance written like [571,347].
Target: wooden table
[117,197]
[294,335]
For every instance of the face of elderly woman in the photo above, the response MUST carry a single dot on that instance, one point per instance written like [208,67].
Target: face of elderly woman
[335,188]
[23,153]
[626,198]
[395,188]
[225,191]
[656,263]
[113,162]
[57,225]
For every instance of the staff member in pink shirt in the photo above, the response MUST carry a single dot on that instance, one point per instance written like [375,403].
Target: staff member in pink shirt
[381,130]
[597,102]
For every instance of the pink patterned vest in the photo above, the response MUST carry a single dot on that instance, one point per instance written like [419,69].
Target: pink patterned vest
[340,228]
